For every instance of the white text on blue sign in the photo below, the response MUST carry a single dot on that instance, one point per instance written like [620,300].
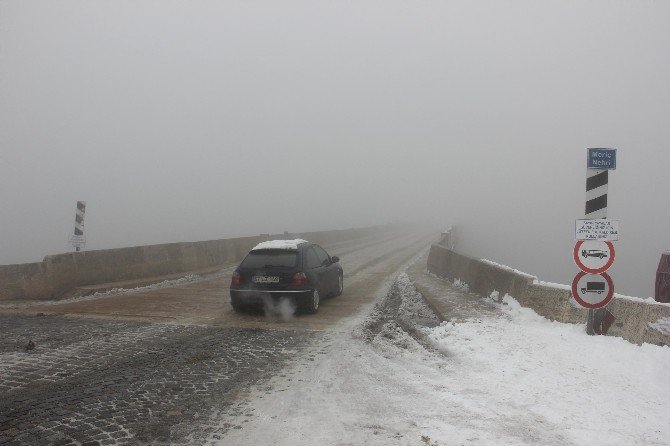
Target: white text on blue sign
[602,159]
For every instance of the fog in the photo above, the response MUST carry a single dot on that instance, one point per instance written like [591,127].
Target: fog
[182,120]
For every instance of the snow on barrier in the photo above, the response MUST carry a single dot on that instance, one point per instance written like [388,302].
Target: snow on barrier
[58,274]
[637,320]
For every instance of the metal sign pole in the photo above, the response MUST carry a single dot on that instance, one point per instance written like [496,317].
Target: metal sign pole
[590,329]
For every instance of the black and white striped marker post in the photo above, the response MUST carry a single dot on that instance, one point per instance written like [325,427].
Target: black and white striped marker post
[78,239]
[596,193]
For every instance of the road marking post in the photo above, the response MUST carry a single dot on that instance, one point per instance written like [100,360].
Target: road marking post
[596,194]
[78,240]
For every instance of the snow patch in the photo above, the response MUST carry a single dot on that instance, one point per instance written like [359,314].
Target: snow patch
[461,285]
[280,244]
[647,300]
[508,268]
[412,303]
[662,325]
[559,286]
[154,286]
[392,341]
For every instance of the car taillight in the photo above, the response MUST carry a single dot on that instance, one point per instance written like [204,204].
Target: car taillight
[299,279]
[237,279]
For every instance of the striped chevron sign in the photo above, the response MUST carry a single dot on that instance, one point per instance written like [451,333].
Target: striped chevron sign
[596,193]
[79,218]
[78,240]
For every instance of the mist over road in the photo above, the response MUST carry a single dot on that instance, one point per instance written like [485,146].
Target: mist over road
[206,120]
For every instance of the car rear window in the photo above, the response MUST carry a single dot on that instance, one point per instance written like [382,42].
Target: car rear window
[270,258]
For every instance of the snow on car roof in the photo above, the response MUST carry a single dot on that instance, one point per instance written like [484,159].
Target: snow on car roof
[279,244]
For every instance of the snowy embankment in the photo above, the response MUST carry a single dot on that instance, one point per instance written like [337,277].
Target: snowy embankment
[507,377]
[553,378]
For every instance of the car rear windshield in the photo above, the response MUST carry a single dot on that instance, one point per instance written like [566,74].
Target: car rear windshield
[270,259]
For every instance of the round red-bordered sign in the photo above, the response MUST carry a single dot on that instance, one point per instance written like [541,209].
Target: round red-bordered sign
[582,302]
[587,269]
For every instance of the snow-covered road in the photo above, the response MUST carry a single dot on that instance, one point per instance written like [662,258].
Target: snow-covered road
[506,376]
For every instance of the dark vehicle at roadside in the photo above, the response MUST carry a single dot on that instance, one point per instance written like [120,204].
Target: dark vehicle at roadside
[296,269]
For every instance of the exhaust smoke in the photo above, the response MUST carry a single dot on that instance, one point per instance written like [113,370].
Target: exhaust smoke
[285,308]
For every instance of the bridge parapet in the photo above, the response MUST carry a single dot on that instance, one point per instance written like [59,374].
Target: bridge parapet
[57,275]
[637,320]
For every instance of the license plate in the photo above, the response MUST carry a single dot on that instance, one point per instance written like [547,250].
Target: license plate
[265,279]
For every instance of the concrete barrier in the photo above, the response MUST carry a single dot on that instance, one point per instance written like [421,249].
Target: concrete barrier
[637,320]
[58,274]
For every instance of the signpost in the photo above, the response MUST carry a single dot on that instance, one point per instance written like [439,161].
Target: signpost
[594,252]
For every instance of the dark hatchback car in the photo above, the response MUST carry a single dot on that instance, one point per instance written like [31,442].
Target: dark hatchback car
[295,269]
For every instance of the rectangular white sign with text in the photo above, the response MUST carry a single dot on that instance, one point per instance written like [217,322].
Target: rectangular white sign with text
[600,229]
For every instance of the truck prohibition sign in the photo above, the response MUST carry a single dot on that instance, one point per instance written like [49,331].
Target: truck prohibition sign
[592,290]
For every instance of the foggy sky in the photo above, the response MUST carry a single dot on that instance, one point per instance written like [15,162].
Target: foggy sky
[195,120]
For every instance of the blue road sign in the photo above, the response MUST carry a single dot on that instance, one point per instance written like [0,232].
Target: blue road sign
[601,159]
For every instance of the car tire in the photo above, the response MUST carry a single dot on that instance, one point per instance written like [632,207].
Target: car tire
[340,285]
[313,303]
